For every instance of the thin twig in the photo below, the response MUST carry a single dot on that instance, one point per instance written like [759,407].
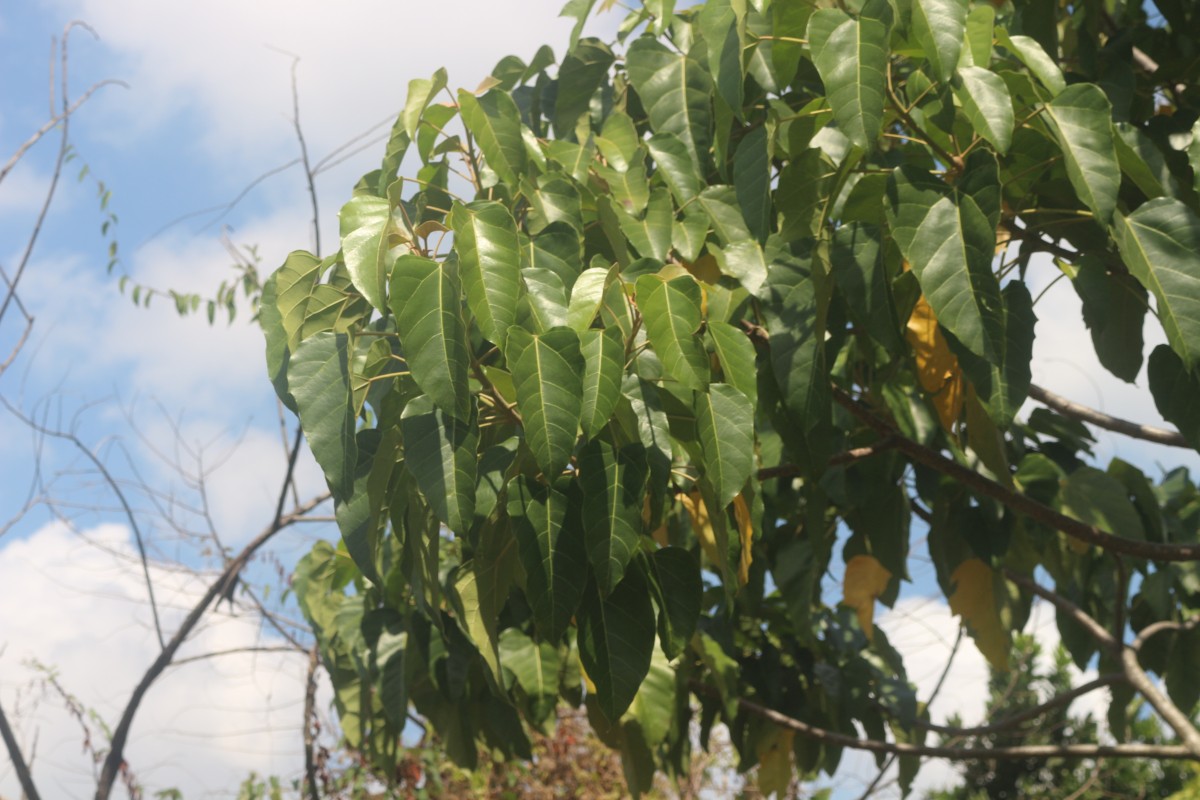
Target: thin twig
[310,706]
[1083,413]
[18,761]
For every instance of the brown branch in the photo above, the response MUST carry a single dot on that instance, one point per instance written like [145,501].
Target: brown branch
[951,161]
[845,457]
[1156,551]
[310,705]
[1158,627]
[1171,714]
[20,766]
[1072,751]
[1081,617]
[1101,420]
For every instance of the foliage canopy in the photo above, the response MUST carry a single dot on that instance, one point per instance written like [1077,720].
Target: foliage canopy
[663,330]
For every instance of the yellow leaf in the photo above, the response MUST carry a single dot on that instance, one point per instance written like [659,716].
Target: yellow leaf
[864,581]
[704,268]
[774,750]
[974,599]
[741,513]
[702,526]
[937,368]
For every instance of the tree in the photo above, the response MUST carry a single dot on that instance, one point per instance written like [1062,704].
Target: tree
[657,329]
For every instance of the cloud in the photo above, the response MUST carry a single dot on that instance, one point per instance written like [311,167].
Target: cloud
[83,613]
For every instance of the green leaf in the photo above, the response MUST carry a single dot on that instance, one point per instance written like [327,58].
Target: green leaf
[1114,310]
[582,72]
[939,27]
[579,10]
[1004,387]
[616,642]
[586,296]
[295,285]
[752,182]
[604,363]
[270,320]
[949,242]
[619,141]
[1159,243]
[987,104]
[1097,498]
[1081,119]
[725,426]
[545,298]
[613,481]
[388,649]
[1175,390]
[722,24]
[798,361]
[440,454]
[672,318]
[535,668]
[425,298]
[676,166]
[485,238]
[552,554]
[675,579]
[421,92]
[861,276]
[359,526]
[364,223]
[981,25]
[495,122]
[737,357]
[721,205]
[650,235]
[547,371]
[851,57]
[319,379]
[475,611]
[1030,53]
[745,261]
[676,92]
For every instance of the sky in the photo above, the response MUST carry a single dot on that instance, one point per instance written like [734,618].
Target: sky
[208,109]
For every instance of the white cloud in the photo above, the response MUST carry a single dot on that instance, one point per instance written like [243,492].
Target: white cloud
[77,603]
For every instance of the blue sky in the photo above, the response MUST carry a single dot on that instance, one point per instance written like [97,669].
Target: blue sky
[208,109]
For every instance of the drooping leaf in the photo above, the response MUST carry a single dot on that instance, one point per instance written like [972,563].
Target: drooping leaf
[939,27]
[553,556]
[1160,243]
[1175,392]
[752,182]
[613,481]
[586,296]
[676,92]
[672,317]
[675,164]
[1097,498]
[547,371]
[744,260]
[1030,53]
[737,358]
[1114,310]
[798,362]
[535,667]
[679,589]
[1081,118]
[851,57]
[774,751]
[604,362]
[974,600]
[364,223]
[495,122]
[721,22]
[725,426]
[988,106]
[485,238]
[650,234]
[616,642]
[319,379]
[937,368]
[582,72]
[949,241]
[861,276]
[545,298]
[864,580]
[425,299]
[440,453]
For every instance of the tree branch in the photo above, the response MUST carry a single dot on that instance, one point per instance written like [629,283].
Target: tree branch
[1156,551]
[310,705]
[846,457]
[1098,631]
[1101,420]
[19,764]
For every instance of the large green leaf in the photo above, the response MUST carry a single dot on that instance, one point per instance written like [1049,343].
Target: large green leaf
[737,357]
[986,102]
[295,286]
[752,182]
[270,320]
[364,225]
[534,666]
[425,298]
[582,72]
[679,590]
[1160,243]
[421,92]
[552,554]
[948,240]
[319,379]
[671,315]
[851,57]
[495,122]
[544,298]
[721,205]
[586,296]
[613,481]
[722,23]
[1114,310]
[604,363]
[361,528]
[650,234]
[861,276]
[1035,58]
[675,164]
[725,426]
[676,91]
[939,27]
[547,371]
[1099,499]
[485,238]
[440,454]
[1175,392]
[616,642]
[1081,118]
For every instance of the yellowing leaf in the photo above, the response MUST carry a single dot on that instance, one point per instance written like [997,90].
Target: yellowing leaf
[741,513]
[937,368]
[702,525]
[704,268]
[974,600]
[774,750]
[864,581]
[587,681]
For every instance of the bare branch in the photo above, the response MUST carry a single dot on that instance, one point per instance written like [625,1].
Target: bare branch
[310,707]
[19,764]
[1081,617]
[1101,420]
